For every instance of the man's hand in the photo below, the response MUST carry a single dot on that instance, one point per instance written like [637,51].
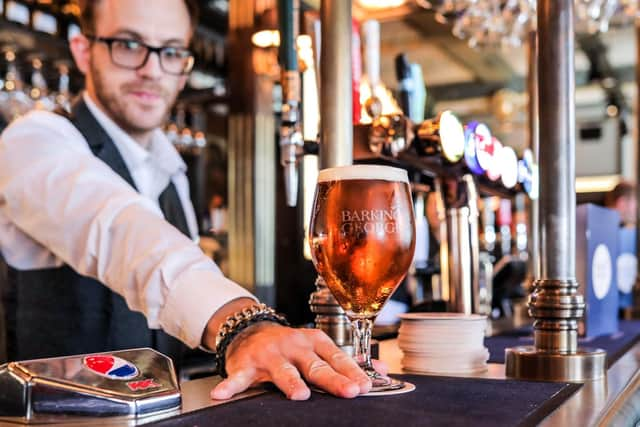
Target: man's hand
[268,352]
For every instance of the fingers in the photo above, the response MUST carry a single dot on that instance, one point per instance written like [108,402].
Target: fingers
[287,378]
[342,363]
[284,356]
[319,373]
[380,366]
[237,382]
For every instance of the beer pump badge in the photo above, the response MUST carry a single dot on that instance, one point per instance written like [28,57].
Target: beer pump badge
[494,171]
[509,165]
[484,147]
[452,137]
[111,367]
[528,174]
[470,155]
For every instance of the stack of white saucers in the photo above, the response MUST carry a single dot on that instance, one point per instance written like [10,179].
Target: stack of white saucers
[443,343]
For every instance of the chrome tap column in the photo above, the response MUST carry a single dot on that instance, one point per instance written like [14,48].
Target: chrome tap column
[336,140]
[534,145]
[291,142]
[636,289]
[463,249]
[555,303]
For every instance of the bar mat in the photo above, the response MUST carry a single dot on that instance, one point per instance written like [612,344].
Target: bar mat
[437,401]
[615,345]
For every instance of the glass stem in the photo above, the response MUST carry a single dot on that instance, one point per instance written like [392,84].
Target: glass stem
[362,344]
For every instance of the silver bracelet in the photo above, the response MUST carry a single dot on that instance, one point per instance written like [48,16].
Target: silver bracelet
[238,322]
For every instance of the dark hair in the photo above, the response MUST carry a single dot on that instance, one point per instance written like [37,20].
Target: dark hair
[623,189]
[88,14]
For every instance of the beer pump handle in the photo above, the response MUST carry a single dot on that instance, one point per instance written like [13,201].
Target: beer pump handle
[287,51]
[441,215]
[472,201]
[371,41]
[371,48]
[405,83]
[291,141]
[419,99]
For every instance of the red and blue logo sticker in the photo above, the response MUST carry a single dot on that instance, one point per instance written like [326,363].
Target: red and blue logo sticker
[111,367]
[116,368]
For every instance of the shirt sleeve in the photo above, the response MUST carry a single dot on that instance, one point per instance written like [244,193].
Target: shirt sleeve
[58,193]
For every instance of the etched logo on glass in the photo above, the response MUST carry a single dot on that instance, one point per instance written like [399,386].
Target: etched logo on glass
[369,221]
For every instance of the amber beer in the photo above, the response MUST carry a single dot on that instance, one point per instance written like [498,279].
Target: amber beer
[362,234]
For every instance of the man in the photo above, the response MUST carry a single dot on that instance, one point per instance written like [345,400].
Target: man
[83,198]
[623,199]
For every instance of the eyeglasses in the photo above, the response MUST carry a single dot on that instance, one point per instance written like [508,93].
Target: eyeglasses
[133,55]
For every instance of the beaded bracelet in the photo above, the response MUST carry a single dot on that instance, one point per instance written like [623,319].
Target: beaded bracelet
[238,322]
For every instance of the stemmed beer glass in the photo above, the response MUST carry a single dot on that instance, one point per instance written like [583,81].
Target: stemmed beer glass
[362,236]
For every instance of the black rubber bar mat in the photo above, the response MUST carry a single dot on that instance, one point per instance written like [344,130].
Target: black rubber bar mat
[437,401]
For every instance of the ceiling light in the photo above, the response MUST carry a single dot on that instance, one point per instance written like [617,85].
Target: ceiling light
[380,4]
[266,38]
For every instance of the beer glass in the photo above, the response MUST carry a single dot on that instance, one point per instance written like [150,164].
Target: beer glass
[362,236]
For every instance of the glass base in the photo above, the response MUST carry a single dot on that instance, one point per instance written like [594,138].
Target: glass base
[383,383]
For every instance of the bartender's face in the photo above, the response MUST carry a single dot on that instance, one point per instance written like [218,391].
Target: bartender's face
[137,100]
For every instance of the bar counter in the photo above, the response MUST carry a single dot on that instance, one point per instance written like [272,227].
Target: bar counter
[614,401]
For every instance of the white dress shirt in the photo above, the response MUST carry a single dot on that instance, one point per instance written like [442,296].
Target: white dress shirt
[151,169]
[60,204]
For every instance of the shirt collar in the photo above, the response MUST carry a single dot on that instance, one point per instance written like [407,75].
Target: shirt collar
[160,150]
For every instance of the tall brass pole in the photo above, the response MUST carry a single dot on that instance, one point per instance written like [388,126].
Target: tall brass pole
[555,303]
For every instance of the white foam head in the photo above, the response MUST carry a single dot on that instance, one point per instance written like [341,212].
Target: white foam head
[385,173]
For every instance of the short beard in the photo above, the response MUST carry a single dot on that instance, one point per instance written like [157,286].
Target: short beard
[117,111]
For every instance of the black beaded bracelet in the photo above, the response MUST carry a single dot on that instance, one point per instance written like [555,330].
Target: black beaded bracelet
[238,322]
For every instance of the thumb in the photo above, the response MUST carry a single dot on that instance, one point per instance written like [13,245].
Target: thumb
[236,383]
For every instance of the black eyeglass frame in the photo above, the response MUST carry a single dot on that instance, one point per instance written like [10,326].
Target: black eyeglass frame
[109,41]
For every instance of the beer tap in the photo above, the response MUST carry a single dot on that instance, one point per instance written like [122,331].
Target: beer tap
[439,143]
[390,134]
[371,49]
[443,134]
[459,247]
[63,97]
[487,239]
[419,93]
[39,91]
[291,141]
[394,134]
[405,83]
